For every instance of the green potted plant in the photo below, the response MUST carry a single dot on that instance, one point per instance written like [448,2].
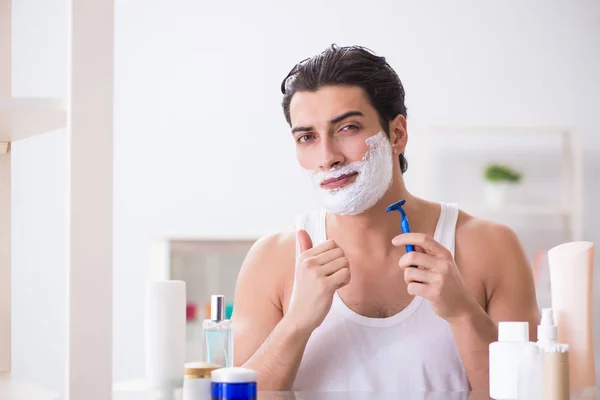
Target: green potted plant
[499,178]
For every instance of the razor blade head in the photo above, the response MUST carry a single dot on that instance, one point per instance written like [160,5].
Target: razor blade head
[397,206]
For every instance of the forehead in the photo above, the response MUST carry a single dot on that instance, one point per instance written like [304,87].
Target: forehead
[318,107]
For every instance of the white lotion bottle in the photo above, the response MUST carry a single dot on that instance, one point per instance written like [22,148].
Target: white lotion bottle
[165,336]
[531,373]
[505,357]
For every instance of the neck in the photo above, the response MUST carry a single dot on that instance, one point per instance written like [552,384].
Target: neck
[374,229]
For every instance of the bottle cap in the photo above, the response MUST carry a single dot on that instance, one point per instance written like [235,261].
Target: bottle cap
[547,329]
[233,375]
[217,307]
[513,331]
[199,369]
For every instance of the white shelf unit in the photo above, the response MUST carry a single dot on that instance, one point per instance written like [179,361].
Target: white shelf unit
[87,113]
[570,203]
[23,117]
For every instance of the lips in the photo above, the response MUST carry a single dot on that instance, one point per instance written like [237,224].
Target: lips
[337,182]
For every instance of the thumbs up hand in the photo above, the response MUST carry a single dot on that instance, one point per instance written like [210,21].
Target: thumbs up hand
[321,271]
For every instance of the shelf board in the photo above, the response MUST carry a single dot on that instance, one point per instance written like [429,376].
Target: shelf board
[458,129]
[11,388]
[23,117]
[519,210]
[135,385]
[138,389]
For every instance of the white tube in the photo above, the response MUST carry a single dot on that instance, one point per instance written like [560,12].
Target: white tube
[571,277]
[165,335]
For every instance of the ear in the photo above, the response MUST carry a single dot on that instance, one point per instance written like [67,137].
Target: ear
[398,134]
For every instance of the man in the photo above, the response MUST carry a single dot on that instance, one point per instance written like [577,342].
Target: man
[336,303]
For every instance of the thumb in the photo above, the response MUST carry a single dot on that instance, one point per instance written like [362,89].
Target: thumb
[304,240]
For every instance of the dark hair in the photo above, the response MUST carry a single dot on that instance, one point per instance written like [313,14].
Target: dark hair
[355,66]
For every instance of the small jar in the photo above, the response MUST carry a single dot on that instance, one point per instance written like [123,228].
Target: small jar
[196,381]
[234,383]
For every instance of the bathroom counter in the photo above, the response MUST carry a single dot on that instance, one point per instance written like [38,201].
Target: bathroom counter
[351,396]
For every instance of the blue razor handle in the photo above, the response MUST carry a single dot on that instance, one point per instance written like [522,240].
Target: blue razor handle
[404,225]
[405,229]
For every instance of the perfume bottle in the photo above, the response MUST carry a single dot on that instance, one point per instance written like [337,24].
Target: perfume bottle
[218,340]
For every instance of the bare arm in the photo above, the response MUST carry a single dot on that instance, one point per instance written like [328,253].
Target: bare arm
[510,297]
[264,341]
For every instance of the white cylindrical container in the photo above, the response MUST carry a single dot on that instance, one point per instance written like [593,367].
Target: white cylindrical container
[196,382]
[505,356]
[165,335]
[235,383]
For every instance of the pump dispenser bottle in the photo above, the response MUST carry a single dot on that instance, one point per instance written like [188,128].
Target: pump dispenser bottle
[547,330]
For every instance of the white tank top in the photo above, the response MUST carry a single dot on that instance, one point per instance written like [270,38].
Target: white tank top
[413,350]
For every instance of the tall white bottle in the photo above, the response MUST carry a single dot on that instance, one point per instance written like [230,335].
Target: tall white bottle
[165,336]
[505,357]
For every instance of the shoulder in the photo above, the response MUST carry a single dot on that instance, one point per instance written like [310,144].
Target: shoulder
[488,246]
[274,247]
[496,236]
[269,264]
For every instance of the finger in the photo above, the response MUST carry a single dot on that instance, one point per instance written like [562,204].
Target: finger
[421,260]
[417,289]
[304,240]
[419,275]
[321,248]
[425,242]
[339,279]
[333,266]
[313,251]
[329,255]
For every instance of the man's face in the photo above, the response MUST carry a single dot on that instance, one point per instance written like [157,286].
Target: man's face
[330,127]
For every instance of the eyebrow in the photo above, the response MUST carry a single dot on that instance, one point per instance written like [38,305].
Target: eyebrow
[335,120]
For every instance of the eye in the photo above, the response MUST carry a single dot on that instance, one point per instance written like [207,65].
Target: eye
[350,127]
[304,138]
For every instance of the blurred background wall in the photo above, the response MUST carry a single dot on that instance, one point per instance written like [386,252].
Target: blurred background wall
[202,150]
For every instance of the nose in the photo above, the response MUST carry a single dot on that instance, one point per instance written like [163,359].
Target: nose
[332,156]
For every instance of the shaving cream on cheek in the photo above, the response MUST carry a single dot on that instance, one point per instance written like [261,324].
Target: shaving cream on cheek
[375,172]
